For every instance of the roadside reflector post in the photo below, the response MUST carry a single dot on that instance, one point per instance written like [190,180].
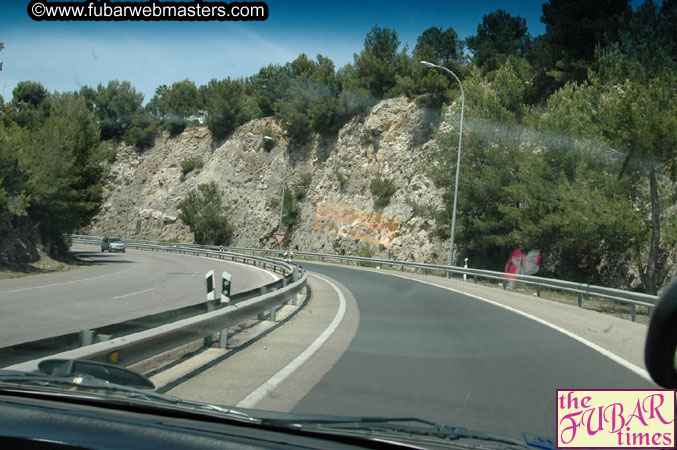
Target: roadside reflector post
[465,266]
[225,287]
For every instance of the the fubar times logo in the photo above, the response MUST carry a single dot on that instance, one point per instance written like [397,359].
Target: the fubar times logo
[624,418]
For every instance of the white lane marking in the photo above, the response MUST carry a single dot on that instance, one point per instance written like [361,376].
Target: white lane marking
[134,293]
[275,277]
[255,397]
[70,282]
[614,357]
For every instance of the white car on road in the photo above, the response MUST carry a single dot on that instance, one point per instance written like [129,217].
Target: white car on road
[112,244]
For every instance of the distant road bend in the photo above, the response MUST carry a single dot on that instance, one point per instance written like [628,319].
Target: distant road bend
[112,288]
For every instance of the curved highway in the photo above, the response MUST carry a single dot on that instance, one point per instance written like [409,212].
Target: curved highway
[423,351]
[110,288]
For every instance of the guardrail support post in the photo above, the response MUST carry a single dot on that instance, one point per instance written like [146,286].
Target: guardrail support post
[580,299]
[402,268]
[425,271]
[262,291]
[273,313]
[86,337]
[380,266]
[103,337]
[503,283]
[474,279]
[538,291]
[633,311]
[223,338]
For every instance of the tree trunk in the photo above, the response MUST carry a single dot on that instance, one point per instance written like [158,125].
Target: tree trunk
[650,277]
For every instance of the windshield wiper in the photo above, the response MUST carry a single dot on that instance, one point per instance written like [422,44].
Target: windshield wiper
[397,425]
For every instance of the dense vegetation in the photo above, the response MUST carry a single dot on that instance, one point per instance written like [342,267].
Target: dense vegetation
[569,140]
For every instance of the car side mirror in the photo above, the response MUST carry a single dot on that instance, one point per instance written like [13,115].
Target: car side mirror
[660,349]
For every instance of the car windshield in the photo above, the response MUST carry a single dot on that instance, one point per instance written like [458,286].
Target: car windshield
[444,211]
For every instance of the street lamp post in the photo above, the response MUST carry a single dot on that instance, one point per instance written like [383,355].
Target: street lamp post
[458,163]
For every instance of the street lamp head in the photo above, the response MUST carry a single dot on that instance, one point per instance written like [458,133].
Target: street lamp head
[428,64]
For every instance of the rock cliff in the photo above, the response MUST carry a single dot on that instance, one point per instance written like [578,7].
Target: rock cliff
[338,215]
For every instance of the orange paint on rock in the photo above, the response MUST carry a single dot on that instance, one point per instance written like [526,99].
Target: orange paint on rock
[355,223]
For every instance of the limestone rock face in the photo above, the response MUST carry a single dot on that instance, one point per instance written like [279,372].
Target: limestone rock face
[393,140]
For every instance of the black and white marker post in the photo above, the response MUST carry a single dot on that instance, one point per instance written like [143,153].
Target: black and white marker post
[225,287]
[209,279]
[225,298]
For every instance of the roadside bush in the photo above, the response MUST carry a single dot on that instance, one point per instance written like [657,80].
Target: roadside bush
[382,189]
[366,251]
[204,213]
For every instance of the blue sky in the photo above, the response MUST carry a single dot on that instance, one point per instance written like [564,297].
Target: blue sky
[64,56]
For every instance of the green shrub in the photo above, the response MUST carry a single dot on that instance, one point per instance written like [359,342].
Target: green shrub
[341,179]
[366,251]
[188,165]
[306,179]
[203,211]
[382,189]
[142,133]
[268,144]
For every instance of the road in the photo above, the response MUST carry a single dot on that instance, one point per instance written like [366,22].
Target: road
[422,351]
[110,288]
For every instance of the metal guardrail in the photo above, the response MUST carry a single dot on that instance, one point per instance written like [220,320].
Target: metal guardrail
[138,346]
[242,306]
[634,299]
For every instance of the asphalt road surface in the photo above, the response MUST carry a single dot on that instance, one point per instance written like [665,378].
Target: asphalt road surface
[111,288]
[422,351]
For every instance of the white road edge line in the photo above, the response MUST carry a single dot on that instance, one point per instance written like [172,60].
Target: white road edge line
[259,394]
[134,293]
[614,357]
[275,277]
[69,282]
